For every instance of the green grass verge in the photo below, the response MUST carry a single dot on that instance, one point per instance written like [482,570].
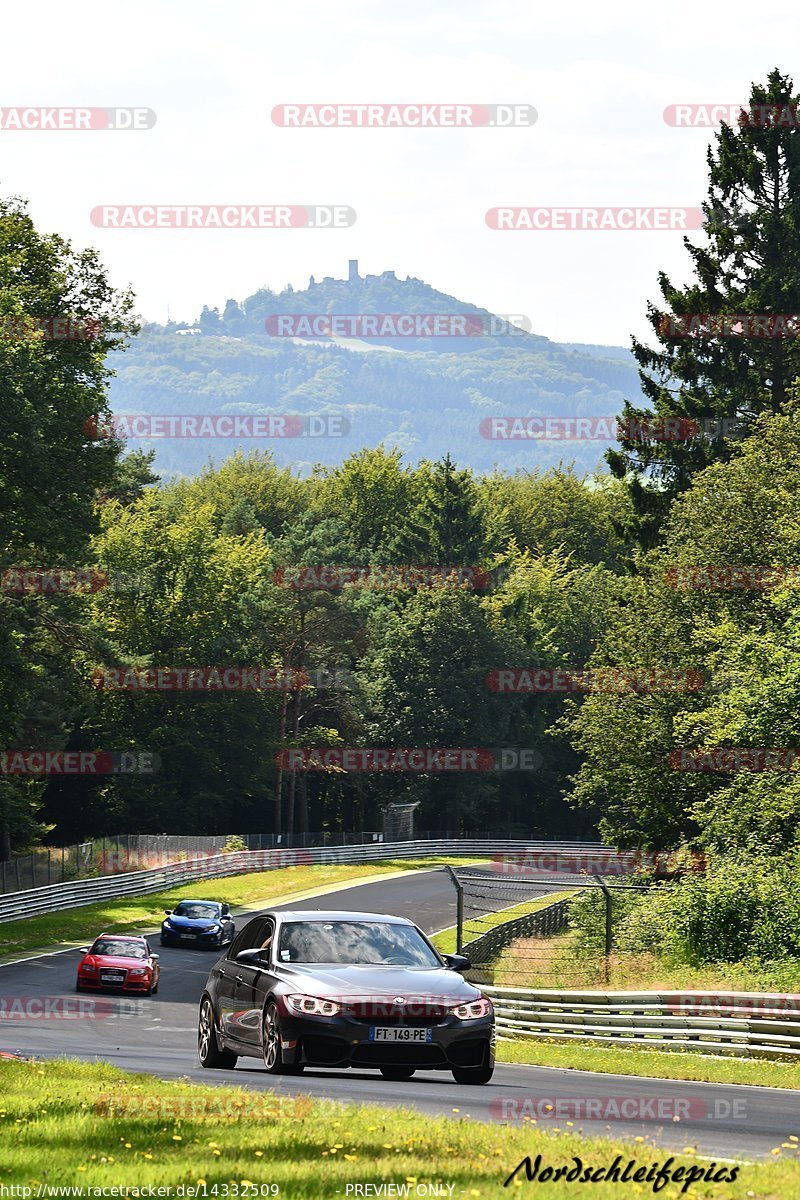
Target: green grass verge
[80,1124]
[446,940]
[143,912]
[564,962]
[654,1064]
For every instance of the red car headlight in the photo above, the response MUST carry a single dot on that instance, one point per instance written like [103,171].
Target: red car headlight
[473,1009]
[139,971]
[88,968]
[311,1006]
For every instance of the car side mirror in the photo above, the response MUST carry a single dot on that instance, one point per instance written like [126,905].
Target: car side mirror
[457,962]
[253,958]
[168,911]
[155,957]
[226,912]
[83,950]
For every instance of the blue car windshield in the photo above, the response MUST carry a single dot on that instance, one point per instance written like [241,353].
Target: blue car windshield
[196,912]
[354,943]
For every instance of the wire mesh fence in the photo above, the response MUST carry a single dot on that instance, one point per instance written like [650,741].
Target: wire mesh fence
[103,856]
[142,851]
[525,932]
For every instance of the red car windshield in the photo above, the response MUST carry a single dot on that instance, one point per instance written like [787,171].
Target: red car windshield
[117,948]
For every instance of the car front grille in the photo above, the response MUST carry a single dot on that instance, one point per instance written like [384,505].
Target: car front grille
[386,1013]
[392,1054]
[112,975]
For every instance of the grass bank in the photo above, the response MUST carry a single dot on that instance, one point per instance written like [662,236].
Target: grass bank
[653,1064]
[446,940]
[80,1124]
[561,962]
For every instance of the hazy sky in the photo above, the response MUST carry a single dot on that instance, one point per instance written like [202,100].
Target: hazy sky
[599,75]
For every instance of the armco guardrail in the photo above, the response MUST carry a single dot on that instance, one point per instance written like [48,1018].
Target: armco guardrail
[542,923]
[743,1023]
[17,905]
[122,852]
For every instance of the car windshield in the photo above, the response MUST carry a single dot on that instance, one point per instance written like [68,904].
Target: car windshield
[196,910]
[354,943]
[117,948]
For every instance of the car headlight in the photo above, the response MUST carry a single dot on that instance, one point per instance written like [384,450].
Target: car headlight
[139,971]
[214,929]
[166,924]
[88,969]
[312,1006]
[473,1009]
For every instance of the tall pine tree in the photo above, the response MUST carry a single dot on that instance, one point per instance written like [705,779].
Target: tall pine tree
[720,379]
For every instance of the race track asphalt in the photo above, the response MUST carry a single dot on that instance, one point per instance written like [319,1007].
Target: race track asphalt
[157,1034]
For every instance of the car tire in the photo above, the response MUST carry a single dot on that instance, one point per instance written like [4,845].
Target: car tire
[397,1073]
[472,1074]
[271,1050]
[208,1050]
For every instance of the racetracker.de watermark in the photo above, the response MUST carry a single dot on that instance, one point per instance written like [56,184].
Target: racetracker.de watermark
[116,862]
[69,1008]
[639,1107]
[219,425]
[596,862]
[711,115]
[396,325]
[417,760]
[199,679]
[597,429]
[413,115]
[741,1005]
[78,762]
[332,578]
[595,679]
[729,325]
[223,216]
[187,1106]
[732,759]
[563,217]
[45,119]
[53,581]
[59,328]
[729,578]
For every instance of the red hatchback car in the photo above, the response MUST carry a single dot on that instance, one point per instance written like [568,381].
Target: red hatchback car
[119,963]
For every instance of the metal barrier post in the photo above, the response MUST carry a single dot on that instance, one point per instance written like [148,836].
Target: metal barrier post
[608,937]
[459,909]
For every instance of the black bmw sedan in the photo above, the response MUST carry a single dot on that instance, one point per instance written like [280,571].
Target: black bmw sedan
[344,989]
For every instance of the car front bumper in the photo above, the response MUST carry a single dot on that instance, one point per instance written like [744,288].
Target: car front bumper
[346,1042]
[174,937]
[88,983]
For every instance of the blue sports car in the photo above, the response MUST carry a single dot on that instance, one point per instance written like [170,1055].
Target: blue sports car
[198,923]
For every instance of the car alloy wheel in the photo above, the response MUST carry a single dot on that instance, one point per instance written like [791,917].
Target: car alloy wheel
[271,1045]
[208,1050]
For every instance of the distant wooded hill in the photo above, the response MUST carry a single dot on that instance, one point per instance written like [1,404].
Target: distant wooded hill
[424,395]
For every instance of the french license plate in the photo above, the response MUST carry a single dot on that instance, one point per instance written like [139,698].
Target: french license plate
[188,936]
[107,977]
[400,1033]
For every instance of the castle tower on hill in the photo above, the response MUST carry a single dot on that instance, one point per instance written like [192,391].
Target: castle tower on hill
[352,274]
